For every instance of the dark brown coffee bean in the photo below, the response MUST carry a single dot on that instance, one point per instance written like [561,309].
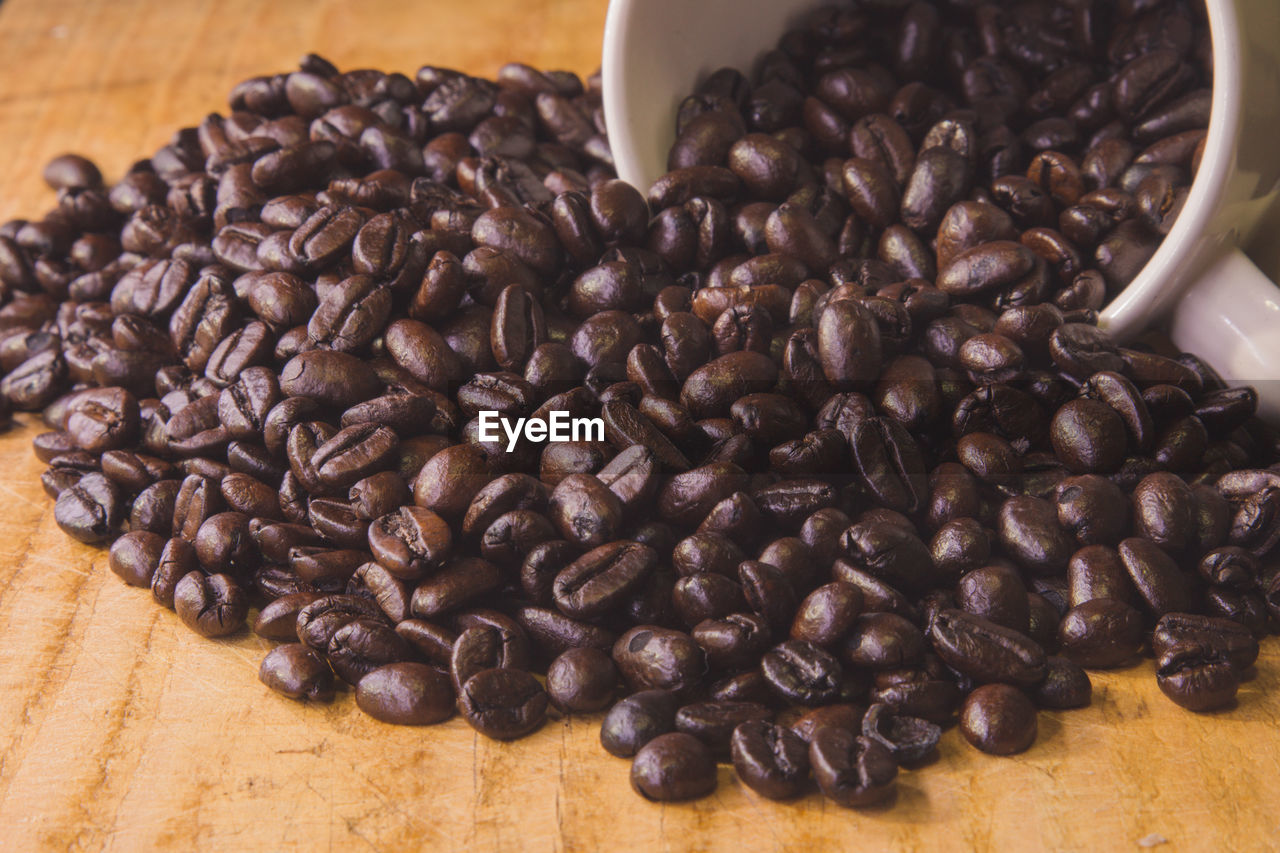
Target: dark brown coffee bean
[673,767]
[985,651]
[908,739]
[406,693]
[998,719]
[296,671]
[851,770]
[657,658]
[1101,633]
[212,606]
[636,720]
[1197,677]
[503,704]
[771,760]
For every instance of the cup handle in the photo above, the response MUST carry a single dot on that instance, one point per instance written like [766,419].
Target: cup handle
[1230,317]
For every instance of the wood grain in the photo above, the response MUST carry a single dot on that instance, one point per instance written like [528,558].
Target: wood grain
[121,730]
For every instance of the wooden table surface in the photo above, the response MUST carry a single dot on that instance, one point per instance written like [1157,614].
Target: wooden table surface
[121,729]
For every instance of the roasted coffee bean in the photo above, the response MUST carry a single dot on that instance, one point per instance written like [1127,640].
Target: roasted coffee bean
[673,767]
[734,641]
[995,593]
[1093,509]
[1096,571]
[1065,685]
[851,770]
[827,614]
[406,693]
[1229,567]
[410,541]
[986,651]
[329,377]
[602,578]
[714,722]
[771,760]
[432,641]
[800,672]
[484,646]
[362,645]
[1162,585]
[1197,678]
[1101,633]
[585,511]
[882,641]
[908,739]
[849,345]
[296,671]
[636,720]
[1163,510]
[502,703]
[135,557]
[582,681]
[90,510]
[889,462]
[212,606]
[459,582]
[1220,638]
[1030,533]
[998,719]
[278,620]
[224,544]
[650,657]
[177,560]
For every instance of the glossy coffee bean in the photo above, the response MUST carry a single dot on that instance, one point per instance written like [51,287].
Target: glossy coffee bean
[771,760]
[638,719]
[998,719]
[212,606]
[582,680]
[673,767]
[502,703]
[851,770]
[406,693]
[294,670]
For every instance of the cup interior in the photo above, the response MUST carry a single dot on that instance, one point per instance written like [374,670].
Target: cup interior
[655,51]
[1191,242]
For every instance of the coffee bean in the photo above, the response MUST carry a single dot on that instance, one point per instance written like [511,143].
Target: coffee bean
[602,578]
[1196,678]
[296,671]
[212,606]
[503,704]
[407,693]
[581,680]
[638,719]
[851,770]
[659,658]
[90,510]
[410,541]
[986,651]
[673,767]
[998,719]
[1101,633]
[1066,685]
[908,739]
[801,672]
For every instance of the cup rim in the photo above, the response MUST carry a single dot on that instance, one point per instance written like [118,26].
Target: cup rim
[1172,264]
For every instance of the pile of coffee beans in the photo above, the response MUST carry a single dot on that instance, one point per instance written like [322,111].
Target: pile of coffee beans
[863,466]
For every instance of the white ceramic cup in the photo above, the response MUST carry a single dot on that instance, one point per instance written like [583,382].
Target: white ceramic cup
[1214,301]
